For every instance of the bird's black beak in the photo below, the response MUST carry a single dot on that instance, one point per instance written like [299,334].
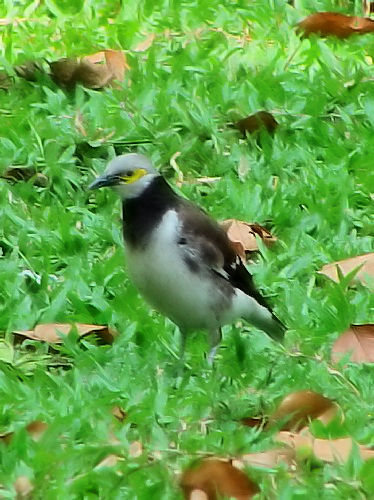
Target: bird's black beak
[103,181]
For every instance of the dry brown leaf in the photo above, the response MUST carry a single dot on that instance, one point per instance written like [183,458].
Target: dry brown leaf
[254,422]
[63,71]
[243,235]
[36,429]
[217,478]
[328,450]
[6,437]
[198,495]
[6,81]
[18,173]
[145,44]
[51,332]
[29,70]
[357,340]
[255,122]
[135,449]
[365,275]
[117,63]
[95,71]
[299,407]
[109,461]
[23,486]
[119,413]
[335,24]
[266,459]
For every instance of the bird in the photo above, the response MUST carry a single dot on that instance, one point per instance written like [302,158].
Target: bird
[180,259]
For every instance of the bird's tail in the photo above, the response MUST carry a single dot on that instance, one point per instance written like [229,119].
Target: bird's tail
[268,323]
[275,329]
[258,314]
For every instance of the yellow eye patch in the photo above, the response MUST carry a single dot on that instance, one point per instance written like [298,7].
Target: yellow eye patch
[136,175]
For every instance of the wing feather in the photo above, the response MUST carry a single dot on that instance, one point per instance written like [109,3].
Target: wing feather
[206,244]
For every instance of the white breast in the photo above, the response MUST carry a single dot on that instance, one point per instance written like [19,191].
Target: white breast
[162,276]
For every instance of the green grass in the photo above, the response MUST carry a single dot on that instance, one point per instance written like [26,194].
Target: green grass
[185,88]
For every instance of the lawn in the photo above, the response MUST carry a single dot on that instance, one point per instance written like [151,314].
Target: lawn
[62,260]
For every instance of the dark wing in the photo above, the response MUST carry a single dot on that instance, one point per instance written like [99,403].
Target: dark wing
[205,243]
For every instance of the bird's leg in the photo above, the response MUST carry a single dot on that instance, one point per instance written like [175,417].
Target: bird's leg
[215,337]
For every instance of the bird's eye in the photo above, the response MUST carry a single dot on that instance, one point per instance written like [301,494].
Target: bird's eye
[129,173]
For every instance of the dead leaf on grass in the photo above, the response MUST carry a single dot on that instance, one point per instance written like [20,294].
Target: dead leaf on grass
[119,413]
[20,173]
[298,408]
[243,235]
[23,486]
[357,340]
[328,450]
[266,459]
[145,44]
[51,332]
[365,274]
[255,122]
[217,478]
[135,449]
[109,461]
[29,70]
[36,429]
[95,71]
[6,437]
[334,24]
[254,422]
[6,81]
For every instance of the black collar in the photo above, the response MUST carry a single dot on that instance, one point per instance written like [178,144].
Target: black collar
[142,214]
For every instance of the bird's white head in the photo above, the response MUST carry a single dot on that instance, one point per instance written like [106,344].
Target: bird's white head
[129,175]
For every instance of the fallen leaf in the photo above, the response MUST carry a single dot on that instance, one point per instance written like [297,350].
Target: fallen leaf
[6,437]
[23,486]
[36,429]
[266,459]
[145,44]
[198,495]
[243,235]
[116,63]
[253,422]
[334,24]
[29,70]
[6,81]
[18,173]
[358,340]
[365,274]
[298,408]
[63,70]
[217,478]
[95,71]
[328,450]
[109,461]
[51,332]
[255,122]
[135,449]
[119,413]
